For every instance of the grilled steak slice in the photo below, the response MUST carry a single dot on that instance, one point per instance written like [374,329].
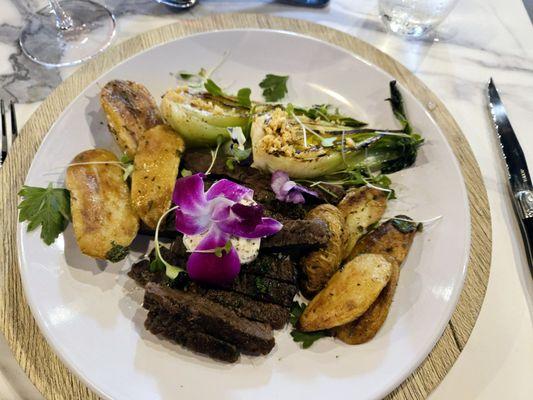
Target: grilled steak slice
[298,234]
[265,289]
[199,314]
[274,315]
[276,266]
[160,322]
[199,161]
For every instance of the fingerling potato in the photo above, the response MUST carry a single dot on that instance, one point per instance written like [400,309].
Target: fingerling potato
[361,208]
[367,325]
[130,110]
[155,170]
[103,219]
[319,265]
[348,294]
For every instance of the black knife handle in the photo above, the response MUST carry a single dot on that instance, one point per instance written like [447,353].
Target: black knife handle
[526,227]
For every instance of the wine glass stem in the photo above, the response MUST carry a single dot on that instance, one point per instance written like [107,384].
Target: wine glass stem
[63,19]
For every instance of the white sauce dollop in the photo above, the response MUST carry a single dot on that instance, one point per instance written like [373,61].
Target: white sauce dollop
[247,249]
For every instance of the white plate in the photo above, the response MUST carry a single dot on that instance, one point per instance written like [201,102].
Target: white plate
[91,313]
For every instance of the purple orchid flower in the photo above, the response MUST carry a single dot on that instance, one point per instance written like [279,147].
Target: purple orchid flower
[287,190]
[218,213]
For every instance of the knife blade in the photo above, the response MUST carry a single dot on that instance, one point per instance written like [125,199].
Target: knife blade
[517,172]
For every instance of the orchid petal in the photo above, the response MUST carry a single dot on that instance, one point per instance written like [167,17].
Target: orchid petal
[305,190]
[237,225]
[191,224]
[295,197]
[279,178]
[229,190]
[209,268]
[189,194]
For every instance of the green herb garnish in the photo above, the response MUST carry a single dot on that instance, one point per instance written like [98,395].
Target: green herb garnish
[396,101]
[305,338]
[48,208]
[274,87]
[243,97]
[404,224]
[213,88]
[117,252]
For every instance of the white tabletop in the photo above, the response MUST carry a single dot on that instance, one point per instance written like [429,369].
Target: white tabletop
[480,39]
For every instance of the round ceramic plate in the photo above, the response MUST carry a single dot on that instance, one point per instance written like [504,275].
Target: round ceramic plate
[91,313]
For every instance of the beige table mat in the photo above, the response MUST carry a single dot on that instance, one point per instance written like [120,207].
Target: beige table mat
[43,367]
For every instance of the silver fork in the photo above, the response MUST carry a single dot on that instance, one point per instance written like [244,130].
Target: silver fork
[7,136]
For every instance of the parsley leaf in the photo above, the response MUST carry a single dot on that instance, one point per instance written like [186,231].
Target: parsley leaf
[274,87]
[48,208]
[306,338]
[213,88]
[243,97]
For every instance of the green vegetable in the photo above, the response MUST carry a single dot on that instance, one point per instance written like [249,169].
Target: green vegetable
[159,263]
[306,338]
[274,87]
[243,97]
[117,252]
[396,102]
[322,112]
[47,207]
[213,88]
[405,224]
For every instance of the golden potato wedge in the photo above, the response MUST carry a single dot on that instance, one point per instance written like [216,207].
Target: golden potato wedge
[361,208]
[318,266]
[348,294]
[130,110]
[155,170]
[386,239]
[367,325]
[103,219]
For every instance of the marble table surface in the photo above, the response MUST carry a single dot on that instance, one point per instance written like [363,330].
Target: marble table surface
[481,38]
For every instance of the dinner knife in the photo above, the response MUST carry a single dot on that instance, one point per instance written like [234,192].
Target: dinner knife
[517,171]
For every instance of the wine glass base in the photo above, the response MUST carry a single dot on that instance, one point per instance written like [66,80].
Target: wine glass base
[92,31]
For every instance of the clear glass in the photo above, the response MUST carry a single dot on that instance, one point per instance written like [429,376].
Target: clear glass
[67,32]
[183,4]
[414,18]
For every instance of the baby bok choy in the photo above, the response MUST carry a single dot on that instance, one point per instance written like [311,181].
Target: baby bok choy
[307,146]
[202,117]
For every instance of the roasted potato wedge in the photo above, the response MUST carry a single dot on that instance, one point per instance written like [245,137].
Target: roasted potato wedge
[386,239]
[348,294]
[360,208]
[389,240]
[130,110]
[367,325]
[318,266]
[103,219]
[155,170]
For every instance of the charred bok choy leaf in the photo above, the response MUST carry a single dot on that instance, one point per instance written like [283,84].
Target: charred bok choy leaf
[315,143]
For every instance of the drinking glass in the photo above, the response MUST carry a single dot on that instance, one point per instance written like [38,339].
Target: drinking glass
[67,32]
[414,18]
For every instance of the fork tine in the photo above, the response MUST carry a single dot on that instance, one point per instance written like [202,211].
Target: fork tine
[14,129]
[3,114]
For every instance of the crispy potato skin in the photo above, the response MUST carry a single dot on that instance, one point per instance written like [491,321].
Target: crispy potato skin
[387,240]
[395,245]
[360,208]
[349,293]
[367,325]
[130,110]
[155,170]
[100,204]
[318,266]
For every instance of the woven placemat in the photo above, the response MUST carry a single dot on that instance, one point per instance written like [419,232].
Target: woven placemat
[38,360]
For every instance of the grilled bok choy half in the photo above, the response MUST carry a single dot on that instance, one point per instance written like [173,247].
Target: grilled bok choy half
[306,148]
[201,117]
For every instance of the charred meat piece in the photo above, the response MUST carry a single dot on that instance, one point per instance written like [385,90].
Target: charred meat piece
[198,314]
[199,161]
[265,289]
[298,234]
[274,315]
[276,266]
[160,322]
